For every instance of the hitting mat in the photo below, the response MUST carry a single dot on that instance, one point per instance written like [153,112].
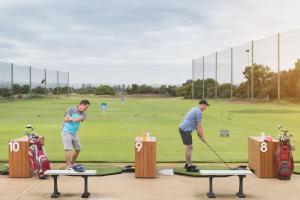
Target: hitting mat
[183,172]
[3,169]
[102,170]
[297,169]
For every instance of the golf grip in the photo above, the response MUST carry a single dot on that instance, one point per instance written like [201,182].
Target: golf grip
[217,155]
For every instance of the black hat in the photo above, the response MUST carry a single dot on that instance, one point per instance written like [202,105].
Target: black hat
[203,101]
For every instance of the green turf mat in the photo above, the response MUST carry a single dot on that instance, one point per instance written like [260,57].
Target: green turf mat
[297,169]
[182,171]
[3,168]
[102,170]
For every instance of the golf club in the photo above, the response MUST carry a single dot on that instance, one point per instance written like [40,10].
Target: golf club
[218,156]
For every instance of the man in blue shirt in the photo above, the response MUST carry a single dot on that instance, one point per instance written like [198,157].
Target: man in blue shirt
[71,123]
[191,122]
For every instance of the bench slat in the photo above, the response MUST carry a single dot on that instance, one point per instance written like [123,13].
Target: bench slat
[70,172]
[225,172]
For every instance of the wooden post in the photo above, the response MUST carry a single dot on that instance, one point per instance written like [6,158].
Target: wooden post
[145,157]
[263,163]
[19,163]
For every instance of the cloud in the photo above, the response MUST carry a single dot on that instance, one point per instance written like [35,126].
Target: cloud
[134,41]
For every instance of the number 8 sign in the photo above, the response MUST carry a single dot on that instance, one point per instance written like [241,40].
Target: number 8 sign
[263,147]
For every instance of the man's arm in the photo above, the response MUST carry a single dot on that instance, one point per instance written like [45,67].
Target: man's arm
[67,117]
[200,132]
[78,119]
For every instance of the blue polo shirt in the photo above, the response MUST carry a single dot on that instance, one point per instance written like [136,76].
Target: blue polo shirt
[191,120]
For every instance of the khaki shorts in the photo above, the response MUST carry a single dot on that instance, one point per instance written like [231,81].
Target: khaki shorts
[70,141]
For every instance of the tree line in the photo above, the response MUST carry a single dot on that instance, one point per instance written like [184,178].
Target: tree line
[265,84]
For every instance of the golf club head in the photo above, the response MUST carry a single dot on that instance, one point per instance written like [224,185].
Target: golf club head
[285,130]
[29,126]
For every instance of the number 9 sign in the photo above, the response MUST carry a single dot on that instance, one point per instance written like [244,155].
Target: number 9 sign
[138,146]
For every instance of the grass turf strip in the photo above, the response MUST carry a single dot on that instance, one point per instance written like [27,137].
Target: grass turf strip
[109,137]
[102,170]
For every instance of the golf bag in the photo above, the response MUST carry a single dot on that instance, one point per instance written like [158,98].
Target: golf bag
[37,157]
[284,162]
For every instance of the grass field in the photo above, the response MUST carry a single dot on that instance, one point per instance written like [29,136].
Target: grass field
[110,137]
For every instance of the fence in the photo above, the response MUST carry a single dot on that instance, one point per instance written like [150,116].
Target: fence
[265,68]
[26,81]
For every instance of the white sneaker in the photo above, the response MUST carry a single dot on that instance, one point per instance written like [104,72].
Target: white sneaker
[69,168]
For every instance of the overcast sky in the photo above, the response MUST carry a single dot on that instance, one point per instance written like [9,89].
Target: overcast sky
[133,41]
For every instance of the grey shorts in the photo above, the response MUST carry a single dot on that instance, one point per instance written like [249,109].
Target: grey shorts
[186,137]
[70,141]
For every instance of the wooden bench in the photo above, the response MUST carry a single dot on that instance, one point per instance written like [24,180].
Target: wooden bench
[55,173]
[225,173]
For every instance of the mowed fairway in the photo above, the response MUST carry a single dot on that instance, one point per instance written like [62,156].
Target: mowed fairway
[110,137]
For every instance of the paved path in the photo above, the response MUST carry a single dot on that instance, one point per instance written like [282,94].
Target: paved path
[125,186]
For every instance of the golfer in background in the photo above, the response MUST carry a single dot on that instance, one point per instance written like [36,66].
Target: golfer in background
[73,117]
[191,122]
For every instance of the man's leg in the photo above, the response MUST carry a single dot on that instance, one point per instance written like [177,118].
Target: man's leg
[68,158]
[188,154]
[67,140]
[77,147]
[75,155]
[187,141]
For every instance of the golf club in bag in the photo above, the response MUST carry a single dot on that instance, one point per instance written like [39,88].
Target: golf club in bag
[36,153]
[284,162]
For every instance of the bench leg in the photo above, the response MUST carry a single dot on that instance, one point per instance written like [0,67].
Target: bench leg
[55,193]
[240,194]
[85,194]
[211,194]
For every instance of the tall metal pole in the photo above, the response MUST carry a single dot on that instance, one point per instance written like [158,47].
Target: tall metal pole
[45,82]
[203,94]
[193,97]
[30,82]
[231,69]
[249,81]
[216,77]
[68,84]
[12,81]
[278,73]
[252,71]
[57,76]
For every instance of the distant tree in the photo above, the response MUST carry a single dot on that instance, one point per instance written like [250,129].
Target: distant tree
[145,89]
[134,89]
[162,90]
[261,79]
[25,89]
[242,91]
[4,92]
[17,89]
[171,90]
[209,85]
[224,90]
[105,90]
[38,90]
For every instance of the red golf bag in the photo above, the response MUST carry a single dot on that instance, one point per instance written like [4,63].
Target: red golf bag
[284,160]
[37,157]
